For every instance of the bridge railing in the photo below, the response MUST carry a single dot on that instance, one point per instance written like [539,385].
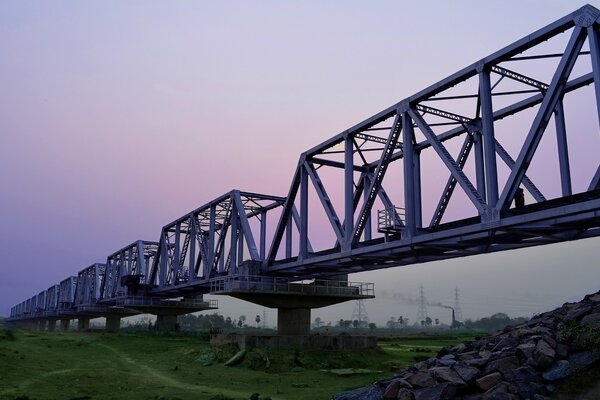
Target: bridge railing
[255,283]
[389,220]
[133,301]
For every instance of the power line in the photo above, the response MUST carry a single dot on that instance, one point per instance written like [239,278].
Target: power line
[422,312]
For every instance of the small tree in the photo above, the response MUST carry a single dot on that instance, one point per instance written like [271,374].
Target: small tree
[437,321]
[428,321]
[355,323]
[391,324]
[242,321]
[257,319]
[401,321]
[318,322]
[372,326]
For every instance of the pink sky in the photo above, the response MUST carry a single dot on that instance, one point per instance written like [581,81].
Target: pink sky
[118,117]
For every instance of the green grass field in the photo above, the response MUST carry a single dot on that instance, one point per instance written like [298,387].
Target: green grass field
[167,367]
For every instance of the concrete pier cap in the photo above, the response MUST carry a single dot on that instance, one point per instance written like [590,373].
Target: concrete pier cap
[167,309]
[293,299]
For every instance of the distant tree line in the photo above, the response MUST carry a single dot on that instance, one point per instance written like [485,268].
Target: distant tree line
[207,321]
[493,323]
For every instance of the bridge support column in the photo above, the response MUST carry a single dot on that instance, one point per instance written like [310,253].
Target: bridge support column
[40,325]
[51,325]
[166,322]
[293,321]
[83,324]
[294,301]
[113,324]
[64,324]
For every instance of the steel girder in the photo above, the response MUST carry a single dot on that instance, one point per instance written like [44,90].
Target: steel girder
[129,265]
[88,285]
[67,290]
[414,128]
[213,240]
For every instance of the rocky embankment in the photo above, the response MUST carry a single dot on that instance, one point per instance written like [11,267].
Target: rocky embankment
[520,362]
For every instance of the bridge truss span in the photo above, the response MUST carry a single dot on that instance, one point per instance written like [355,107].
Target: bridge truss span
[487,128]
[500,155]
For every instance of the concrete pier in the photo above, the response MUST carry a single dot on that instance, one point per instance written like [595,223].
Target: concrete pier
[51,325]
[83,324]
[166,322]
[113,324]
[293,300]
[293,321]
[64,324]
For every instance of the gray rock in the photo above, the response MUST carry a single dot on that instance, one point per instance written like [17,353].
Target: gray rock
[446,362]
[506,342]
[582,360]
[529,390]
[473,396]
[405,394]
[543,354]
[503,365]
[466,372]
[562,350]
[489,381]
[595,297]
[459,348]
[499,392]
[525,350]
[522,332]
[524,374]
[395,387]
[591,320]
[422,379]
[446,374]
[560,370]
[444,391]
[391,392]
[366,393]
[578,312]
[550,340]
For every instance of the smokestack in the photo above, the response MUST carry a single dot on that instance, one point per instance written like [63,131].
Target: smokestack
[453,325]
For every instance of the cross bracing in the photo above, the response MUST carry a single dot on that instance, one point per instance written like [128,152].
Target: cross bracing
[451,171]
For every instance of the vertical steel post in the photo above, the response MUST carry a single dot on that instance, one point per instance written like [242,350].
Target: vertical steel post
[164,254]
[288,237]
[348,192]
[594,42]
[303,252]
[563,149]
[143,267]
[408,152]
[211,242]
[263,234]
[176,255]
[368,231]
[240,252]
[417,178]
[234,236]
[479,164]
[489,139]
[192,248]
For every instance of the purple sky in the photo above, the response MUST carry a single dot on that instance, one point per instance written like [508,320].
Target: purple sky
[118,117]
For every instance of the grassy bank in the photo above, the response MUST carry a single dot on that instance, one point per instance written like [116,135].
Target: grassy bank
[167,367]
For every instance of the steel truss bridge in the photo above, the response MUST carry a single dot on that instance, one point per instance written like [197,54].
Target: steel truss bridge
[373,187]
